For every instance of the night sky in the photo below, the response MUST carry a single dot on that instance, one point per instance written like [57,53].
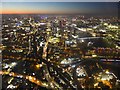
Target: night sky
[94,8]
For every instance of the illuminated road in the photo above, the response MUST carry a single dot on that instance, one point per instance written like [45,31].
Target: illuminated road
[88,38]
[30,78]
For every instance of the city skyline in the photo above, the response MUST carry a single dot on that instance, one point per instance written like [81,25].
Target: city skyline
[42,52]
[94,8]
